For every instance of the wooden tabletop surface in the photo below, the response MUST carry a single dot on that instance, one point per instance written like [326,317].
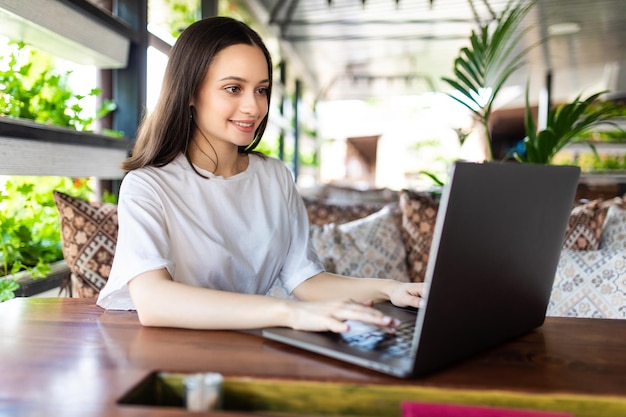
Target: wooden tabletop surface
[68,357]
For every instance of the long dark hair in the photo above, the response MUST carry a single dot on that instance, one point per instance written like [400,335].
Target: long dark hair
[166,131]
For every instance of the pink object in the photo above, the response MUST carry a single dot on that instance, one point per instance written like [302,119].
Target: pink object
[415,409]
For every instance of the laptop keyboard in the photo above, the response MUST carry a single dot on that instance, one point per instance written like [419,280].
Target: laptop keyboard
[394,344]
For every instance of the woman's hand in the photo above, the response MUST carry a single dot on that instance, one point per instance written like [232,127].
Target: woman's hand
[407,294]
[331,315]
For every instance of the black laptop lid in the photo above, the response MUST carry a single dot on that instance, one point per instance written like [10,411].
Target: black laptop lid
[498,238]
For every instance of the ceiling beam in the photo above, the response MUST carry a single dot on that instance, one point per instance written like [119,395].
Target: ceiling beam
[317,38]
[343,22]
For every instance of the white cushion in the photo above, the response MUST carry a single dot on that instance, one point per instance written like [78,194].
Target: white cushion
[367,247]
[614,229]
[590,284]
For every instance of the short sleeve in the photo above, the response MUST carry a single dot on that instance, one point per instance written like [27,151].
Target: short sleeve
[142,243]
[302,261]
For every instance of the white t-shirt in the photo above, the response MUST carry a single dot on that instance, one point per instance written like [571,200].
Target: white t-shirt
[237,234]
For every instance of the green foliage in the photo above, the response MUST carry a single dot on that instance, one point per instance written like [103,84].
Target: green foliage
[108,197]
[181,14]
[30,88]
[481,69]
[600,162]
[565,124]
[7,289]
[29,225]
[435,179]
[270,146]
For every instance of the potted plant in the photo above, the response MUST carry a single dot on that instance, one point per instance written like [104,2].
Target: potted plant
[483,67]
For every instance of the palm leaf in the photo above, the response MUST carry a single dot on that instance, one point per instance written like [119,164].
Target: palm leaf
[471,66]
[564,124]
[498,86]
[531,132]
[464,77]
[471,102]
[489,61]
[433,177]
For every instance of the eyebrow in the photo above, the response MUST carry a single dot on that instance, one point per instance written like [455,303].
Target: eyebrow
[235,78]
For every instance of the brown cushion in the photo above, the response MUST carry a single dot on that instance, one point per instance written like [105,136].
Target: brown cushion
[322,212]
[89,237]
[419,212]
[584,229]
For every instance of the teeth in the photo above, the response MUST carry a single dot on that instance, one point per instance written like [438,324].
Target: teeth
[243,124]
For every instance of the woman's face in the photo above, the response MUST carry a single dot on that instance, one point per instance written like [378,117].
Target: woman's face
[232,100]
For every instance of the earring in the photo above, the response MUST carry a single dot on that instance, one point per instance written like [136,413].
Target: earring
[188,129]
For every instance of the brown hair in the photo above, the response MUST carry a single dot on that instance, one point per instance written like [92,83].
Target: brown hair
[166,132]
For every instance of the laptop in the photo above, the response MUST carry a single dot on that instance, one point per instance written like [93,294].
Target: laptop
[498,236]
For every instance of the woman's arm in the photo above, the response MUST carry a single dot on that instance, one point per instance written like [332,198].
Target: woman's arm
[164,303]
[325,285]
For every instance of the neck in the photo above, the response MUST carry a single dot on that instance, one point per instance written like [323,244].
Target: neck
[223,161]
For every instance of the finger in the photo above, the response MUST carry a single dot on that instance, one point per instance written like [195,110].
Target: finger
[406,299]
[337,326]
[370,316]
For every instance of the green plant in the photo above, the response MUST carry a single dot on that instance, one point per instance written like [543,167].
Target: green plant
[181,14]
[29,226]
[565,124]
[30,88]
[7,289]
[482,69]
[601,162]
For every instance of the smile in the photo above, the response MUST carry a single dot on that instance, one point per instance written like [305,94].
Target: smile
[244,124]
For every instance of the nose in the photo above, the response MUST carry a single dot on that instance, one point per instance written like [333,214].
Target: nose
[250,104]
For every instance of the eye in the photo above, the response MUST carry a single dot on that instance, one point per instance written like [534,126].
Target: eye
[262,91]
[233,89]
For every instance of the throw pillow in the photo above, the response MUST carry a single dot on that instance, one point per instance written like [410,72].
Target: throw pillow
[322,212]
[584,229]
[89,237]
[614,230]
[367,247]
[344,195]
[419,213]
[590,284]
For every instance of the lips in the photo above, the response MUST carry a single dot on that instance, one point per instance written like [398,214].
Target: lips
[243,126]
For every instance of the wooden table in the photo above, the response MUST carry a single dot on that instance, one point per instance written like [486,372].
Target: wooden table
[68,357]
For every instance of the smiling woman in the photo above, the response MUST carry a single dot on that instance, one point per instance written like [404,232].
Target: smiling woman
[207,224]
[228,109]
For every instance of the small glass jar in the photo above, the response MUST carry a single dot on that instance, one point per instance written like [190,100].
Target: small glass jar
[203,391]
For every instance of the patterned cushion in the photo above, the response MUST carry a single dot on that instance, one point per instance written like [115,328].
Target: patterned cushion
[590,284]
[585,226]
[419,212]
[89,237]
[347,195]
[367,247]
[322,212]
[614,230]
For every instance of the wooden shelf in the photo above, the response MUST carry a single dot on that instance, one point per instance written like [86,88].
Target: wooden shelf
[64,30]
[28,148]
